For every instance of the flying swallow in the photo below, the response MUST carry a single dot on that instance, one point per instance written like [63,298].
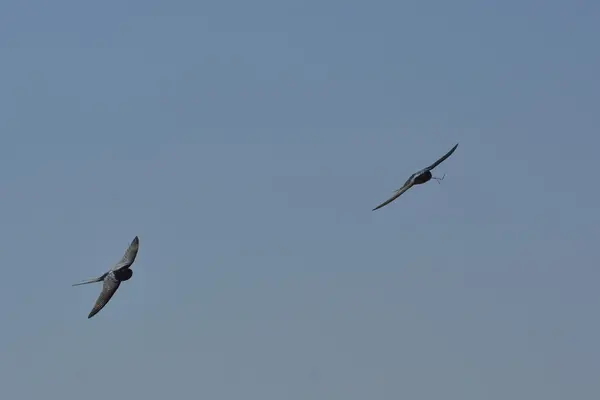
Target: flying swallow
[418,178]
[112,279]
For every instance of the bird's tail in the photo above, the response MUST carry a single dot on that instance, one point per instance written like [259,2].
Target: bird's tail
[99,279]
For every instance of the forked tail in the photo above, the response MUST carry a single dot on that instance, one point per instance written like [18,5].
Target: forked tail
[99,279]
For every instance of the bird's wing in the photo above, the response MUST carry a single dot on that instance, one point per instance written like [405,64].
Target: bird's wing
[397,194]
[438,162]
[129,256]
[110,286]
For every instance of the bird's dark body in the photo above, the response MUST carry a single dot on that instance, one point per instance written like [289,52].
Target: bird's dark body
[123,274]
[422,178]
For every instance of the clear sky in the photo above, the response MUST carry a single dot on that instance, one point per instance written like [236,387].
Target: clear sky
[246,143]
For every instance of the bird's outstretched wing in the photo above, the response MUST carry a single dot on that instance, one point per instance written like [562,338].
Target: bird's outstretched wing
[397,194]
[109,288]
[129,256]
[438,162]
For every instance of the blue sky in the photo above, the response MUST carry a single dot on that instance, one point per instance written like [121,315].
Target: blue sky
[246,144]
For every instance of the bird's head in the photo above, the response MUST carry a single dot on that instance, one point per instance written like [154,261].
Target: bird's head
[124,274]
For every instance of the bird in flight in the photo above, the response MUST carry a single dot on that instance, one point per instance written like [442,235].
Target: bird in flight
[418,178]
[112,279]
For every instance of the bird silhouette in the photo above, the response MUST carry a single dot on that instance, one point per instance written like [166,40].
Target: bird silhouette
[112,279]
[418,178]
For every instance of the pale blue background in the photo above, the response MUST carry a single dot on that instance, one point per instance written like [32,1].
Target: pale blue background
[246,143]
